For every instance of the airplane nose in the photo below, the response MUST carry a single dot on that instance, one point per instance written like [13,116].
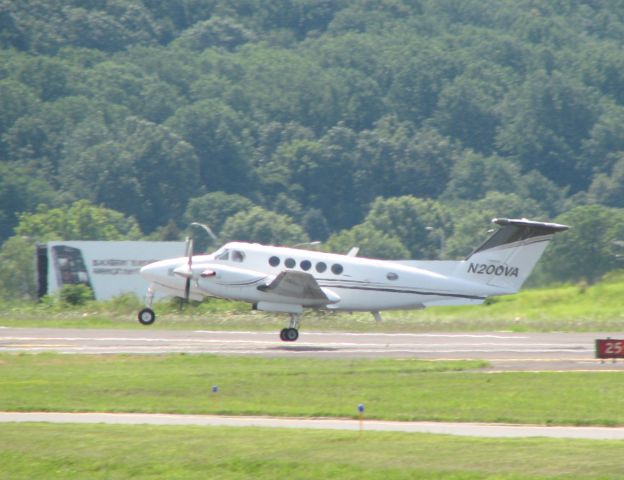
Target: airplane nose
[151,271]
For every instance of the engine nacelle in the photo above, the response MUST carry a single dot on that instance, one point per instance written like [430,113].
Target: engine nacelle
[278,307]
[225,280]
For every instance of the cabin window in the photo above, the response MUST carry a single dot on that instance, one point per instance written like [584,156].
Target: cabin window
[337,268]
[392,276]
[290,263]
[274,261]
[237,256]
[305,265]
[321,267]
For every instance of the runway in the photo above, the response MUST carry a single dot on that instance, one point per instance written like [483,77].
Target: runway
[505,351]
[445,428]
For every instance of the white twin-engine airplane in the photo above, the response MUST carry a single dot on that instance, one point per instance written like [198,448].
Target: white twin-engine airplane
[287,280]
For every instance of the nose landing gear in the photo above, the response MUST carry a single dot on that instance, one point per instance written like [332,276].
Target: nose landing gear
[147,316]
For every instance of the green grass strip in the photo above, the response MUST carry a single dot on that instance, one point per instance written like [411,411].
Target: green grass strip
[390,389]
[148,452]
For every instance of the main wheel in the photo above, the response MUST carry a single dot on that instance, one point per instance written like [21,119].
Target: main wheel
[291,335]
[283,335]
[147,316]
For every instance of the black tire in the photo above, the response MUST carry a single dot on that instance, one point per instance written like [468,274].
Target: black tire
[146,316]
[291,335]
[283,335]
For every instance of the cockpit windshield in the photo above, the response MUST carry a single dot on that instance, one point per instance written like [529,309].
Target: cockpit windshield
[222,255]
[231,255]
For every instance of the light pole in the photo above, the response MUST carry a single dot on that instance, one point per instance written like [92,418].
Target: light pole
[619,244]
[206,228]
[440,233]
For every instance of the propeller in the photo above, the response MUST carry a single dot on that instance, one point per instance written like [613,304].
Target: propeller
[188,272]
[187,287]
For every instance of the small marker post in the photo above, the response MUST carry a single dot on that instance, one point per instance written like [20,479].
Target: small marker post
[361,416]
[215,391]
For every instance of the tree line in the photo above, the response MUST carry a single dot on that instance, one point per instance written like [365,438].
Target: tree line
[400,126]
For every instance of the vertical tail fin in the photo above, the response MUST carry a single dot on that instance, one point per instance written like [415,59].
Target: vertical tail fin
[506,259]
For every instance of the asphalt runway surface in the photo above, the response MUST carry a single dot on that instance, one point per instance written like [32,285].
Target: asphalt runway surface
[504,351]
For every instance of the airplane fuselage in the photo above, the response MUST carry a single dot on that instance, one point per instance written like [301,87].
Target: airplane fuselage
[239,271]
[287,280]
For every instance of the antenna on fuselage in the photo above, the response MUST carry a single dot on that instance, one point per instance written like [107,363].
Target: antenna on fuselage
[353,252]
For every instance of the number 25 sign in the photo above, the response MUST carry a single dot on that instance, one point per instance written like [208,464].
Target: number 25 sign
[609,348]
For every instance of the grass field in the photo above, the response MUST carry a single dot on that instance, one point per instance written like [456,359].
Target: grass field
[69,452]
[393,389]
[390,389]
[566,308]
[401,389]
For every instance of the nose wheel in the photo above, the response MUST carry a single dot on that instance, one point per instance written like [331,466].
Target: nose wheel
[147,316]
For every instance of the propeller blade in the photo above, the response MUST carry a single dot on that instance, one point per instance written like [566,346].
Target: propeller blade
[187,286]
[187,290]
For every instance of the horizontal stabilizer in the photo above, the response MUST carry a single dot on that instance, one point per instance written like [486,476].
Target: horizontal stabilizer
[517,231]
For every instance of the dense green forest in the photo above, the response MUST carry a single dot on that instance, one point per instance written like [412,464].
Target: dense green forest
[401,126]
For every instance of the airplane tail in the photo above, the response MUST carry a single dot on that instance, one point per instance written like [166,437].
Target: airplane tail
[506,259]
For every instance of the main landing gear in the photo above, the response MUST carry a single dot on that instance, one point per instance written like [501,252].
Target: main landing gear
[291,334]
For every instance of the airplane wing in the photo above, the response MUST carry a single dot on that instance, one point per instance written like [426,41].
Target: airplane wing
[301,285]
